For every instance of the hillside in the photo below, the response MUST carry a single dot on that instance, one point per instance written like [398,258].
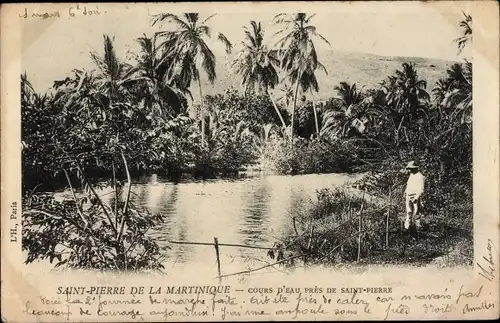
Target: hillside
[366,70]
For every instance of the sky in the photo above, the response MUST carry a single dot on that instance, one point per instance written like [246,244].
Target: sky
[52,47]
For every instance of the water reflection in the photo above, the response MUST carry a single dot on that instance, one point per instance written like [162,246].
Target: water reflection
[250,211]
[162,198]
[254,216]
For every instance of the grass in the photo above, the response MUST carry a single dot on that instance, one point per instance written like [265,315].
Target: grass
[326,231]
[445,240]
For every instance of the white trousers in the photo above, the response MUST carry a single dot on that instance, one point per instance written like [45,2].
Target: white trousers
[413,211]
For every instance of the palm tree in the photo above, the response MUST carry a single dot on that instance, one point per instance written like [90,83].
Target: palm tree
[455,92]
[406,97]
[455,79]
[32,108]
[440,91]
[409,90]
[285,91]
[348,94]
[257,64]
[466,37]
[347,113]
[154,92]
[309,82]
[189,53]
[27,90]
[113,76]
[298,53]
[110,83]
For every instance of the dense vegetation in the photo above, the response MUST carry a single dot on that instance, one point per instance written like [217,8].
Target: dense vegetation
[136,117]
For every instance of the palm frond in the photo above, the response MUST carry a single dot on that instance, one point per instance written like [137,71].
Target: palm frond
[208,61]
[192,18]
[167,17]
[310,18]
[279,16]
[204,30]
[466,37]
[225,41]
[208,18]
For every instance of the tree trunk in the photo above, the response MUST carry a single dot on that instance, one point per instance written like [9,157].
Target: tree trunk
[293,108]
[116,193]
[277,110]
[315,113]
[398,129]
[202,115]
[127,199]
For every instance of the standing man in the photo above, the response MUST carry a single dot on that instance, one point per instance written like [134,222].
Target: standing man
[414,189]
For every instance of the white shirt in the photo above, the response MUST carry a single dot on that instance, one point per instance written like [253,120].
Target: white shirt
[415,184]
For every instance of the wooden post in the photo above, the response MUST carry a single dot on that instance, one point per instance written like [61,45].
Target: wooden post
[360,225]
[387,222]
[216,245]
[359,238]
[387,230]
[308,248]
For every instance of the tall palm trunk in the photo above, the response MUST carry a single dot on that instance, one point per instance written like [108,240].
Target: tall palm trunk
[277,110]
[315,113]
[294,106]
[202,115]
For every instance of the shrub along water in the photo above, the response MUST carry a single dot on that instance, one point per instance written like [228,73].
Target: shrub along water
[86,232]
[344,225]
[337,226]
[308,156]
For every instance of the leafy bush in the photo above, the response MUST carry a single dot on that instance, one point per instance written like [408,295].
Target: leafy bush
[80,235]
[333,203]
[233,107]
[327,230]
[308,156]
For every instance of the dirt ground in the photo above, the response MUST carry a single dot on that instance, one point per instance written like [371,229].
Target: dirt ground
[445,240]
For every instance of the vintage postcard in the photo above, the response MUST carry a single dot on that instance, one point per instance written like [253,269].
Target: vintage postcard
[250,161]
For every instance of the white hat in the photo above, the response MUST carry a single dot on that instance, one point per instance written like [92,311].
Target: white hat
[411,164]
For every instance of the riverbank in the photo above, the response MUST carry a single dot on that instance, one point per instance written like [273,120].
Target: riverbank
[358,224]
